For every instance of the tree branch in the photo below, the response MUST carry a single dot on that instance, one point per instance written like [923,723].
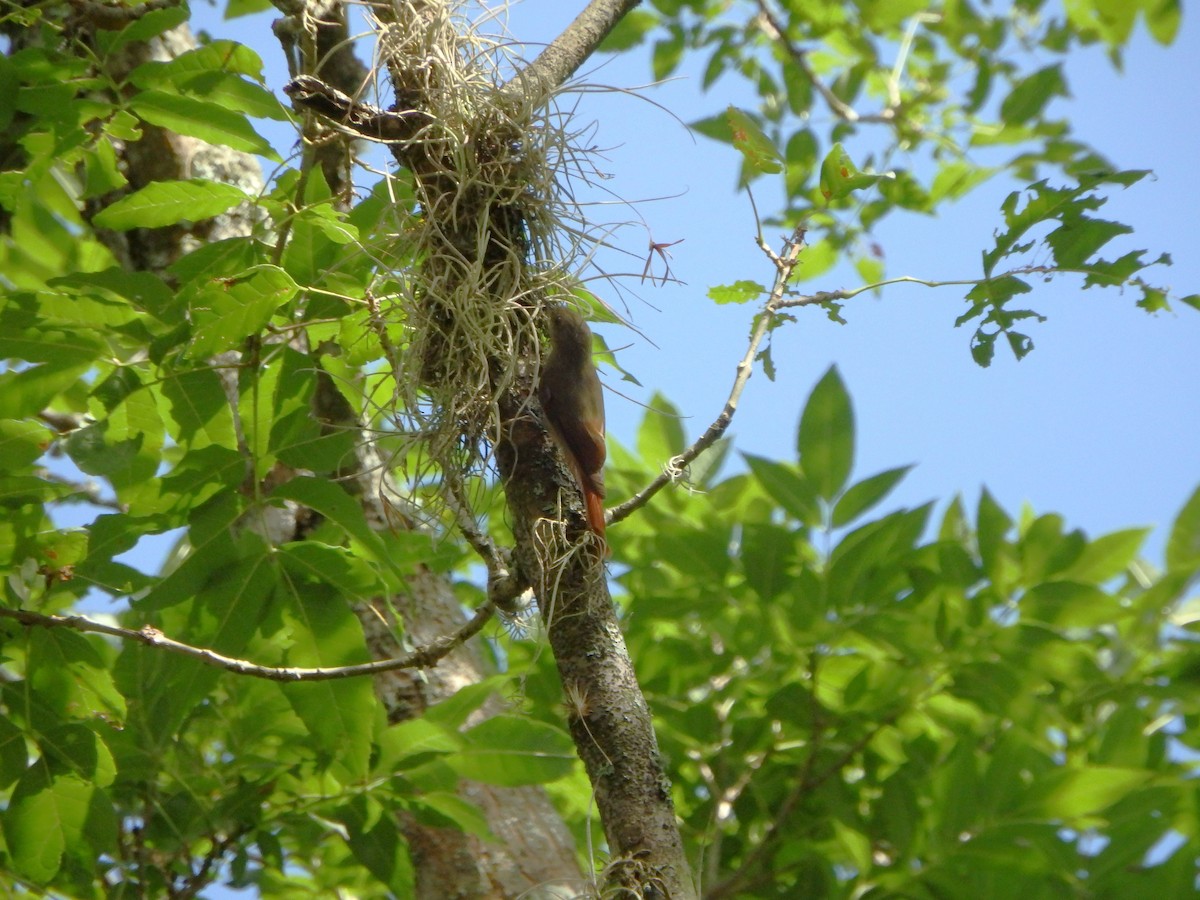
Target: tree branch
[571,49]
[850,293]
[784,262]
[421,658]
[361,119]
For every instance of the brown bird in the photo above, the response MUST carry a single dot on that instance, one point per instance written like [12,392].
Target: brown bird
[573,401]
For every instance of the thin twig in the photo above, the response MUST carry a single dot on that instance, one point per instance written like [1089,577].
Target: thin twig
[422,658]
[850,293]
[784,262]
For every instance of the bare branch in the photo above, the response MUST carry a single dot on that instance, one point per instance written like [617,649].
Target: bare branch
[784,262]
[421,658]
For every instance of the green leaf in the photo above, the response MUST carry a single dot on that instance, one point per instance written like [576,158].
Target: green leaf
[14,756]
[163,203]
[871,554]
[71,678]
[661,436]
[123,293]
[787,487]
[336,566]
[826,437]
[413,743]
[10,83]
[1074,242]
[209,122]
[29,391]
[152,24]
[816,259]
[758,150]
[840,177]
[380,847]
[335,504]
[455,709]
[696,553]
[318,232]
[233,93]
[511,751]
[31,331]
[631,29]
[340,714]
[212,551]
[102,170]
[235,9]
[993,525]
[1163,18]
[77,750]
[443,809]
[17,490]
[219,259]
[957,178]
[1068,604]
[866,494]
[195,479]
[1106,556]
[1183,546]
[738,292]
[665,58]
[199,409]
[1029,96]
[228,311]
[983,348]
[227,600]
[125,446]
[1068,794]
[768,553]
[213,57]
[870,269]
[21,442]
[49,816]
